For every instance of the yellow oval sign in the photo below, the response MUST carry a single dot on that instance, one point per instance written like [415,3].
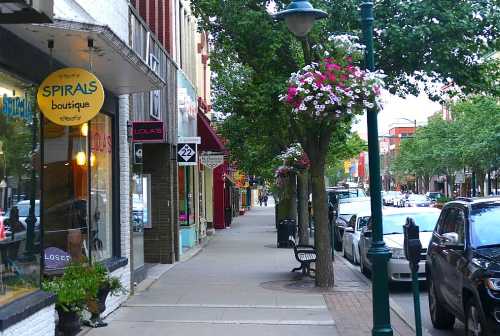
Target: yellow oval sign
[70,96]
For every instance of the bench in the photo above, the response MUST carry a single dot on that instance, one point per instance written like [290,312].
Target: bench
[305,255]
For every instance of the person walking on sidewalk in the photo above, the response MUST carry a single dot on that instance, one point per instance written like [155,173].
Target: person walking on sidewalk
[261,199]
[265,199]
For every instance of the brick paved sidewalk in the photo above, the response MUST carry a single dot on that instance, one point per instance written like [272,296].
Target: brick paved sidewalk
[351,304]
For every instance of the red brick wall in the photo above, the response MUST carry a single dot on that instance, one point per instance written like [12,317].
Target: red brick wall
[158,15]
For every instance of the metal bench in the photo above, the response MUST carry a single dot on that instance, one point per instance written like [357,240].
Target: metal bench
[305,255]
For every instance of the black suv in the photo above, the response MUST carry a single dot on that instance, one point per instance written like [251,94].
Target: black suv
[463,266]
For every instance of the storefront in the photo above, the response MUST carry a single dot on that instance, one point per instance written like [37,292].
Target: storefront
[60,178]
[212,156]
[188,170]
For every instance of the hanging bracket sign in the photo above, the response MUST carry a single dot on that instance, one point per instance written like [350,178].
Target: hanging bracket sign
[70,96]
[211,161]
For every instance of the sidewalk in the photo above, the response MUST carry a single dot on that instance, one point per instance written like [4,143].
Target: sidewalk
[240,283]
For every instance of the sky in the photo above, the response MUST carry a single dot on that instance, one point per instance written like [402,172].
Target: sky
[395,108]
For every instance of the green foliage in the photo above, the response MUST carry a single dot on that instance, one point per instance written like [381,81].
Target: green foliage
[470,139]
[79,285]
[75,287]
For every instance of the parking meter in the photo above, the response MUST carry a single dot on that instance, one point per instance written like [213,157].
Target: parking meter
[412,245]
[413,250]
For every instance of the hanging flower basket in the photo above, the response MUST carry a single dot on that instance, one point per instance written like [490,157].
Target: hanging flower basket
[335,87]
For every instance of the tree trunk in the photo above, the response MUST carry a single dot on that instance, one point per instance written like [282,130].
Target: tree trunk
[302,196]
[480,182]
[324,266]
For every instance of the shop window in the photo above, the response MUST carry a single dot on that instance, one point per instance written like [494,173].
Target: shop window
[19,190]
[101,192]
[77,184]
[183,201]
[141,214]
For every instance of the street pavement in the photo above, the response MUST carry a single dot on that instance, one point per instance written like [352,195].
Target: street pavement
[241,283]
[402,301]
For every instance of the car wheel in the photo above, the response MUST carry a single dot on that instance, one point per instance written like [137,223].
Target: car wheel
[440,317]
[474,322]
[364,270]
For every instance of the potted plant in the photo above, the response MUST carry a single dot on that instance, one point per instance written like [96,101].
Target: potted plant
[106,285]
[73,289]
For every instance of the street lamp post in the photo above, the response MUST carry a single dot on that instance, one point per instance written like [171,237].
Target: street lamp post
[299,17]
[378,252]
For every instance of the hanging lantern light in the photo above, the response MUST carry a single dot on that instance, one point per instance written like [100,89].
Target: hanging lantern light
[84,129]
[81,158]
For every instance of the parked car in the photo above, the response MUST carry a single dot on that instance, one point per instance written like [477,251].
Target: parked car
[433,196]
[463,267]
[347,207]
[352,235]
[24,209]
[393,219]
[389,196]
[416,200]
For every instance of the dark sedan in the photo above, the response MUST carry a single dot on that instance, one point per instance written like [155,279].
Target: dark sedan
[463,265]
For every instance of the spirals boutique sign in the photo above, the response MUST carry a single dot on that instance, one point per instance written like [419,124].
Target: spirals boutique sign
[70,96]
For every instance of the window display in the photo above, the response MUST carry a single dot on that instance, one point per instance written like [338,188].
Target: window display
[77,206]
[101,155]
[19,190]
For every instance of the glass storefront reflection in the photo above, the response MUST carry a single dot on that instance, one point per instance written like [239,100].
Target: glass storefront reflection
[19,190]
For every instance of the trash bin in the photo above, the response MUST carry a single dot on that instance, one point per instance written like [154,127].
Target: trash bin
[286,228]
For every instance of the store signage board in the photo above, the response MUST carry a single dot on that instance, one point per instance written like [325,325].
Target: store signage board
[148,131]
[187,154]
[212,161]
[459,177]
[56,258]
[70,96]
[138,153]
[192,140]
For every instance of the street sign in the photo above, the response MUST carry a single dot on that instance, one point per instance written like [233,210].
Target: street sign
[148,131]
[212,161]
[186,154]
[138,153]
[459,177]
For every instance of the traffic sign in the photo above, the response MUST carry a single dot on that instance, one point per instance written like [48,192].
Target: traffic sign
[186,154]
[138,153]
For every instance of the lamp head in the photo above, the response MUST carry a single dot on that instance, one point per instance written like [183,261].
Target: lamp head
[299,17]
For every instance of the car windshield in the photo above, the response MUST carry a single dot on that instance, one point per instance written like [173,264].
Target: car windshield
[484,225]
[346,217]
[362,222]
[426,221]
[418,198]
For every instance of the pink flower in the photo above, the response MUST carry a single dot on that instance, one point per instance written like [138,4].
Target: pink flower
[376,90]
[292,91]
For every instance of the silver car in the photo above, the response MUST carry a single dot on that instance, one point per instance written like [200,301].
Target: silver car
[393,220]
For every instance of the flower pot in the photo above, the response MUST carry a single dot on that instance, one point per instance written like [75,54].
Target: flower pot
[97,307]
[69,322]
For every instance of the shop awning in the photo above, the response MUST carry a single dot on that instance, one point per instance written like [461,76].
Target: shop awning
[119,68]
[210,141]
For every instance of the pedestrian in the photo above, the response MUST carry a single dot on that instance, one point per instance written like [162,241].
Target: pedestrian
[265,200]
[260,200]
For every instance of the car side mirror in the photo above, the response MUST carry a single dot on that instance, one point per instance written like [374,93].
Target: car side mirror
[451,240]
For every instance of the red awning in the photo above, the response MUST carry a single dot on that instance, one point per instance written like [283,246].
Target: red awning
[210,141]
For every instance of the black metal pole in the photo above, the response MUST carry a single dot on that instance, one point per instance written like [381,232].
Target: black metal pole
[378,252]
